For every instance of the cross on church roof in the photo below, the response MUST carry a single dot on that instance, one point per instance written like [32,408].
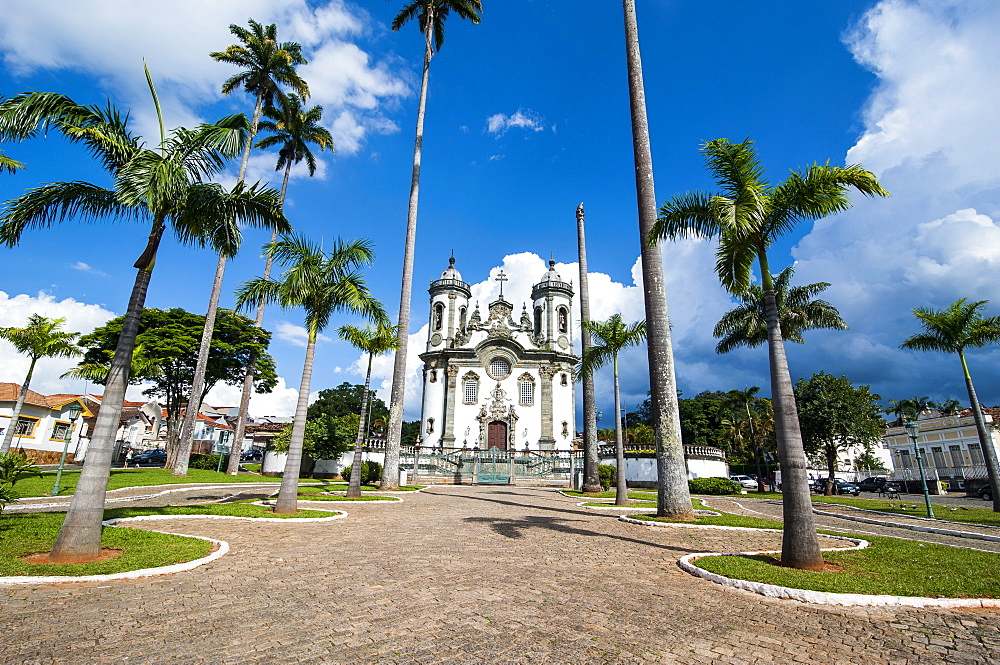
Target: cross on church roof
[501,277]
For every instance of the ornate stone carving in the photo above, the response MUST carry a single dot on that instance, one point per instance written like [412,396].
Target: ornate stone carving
[452,371]
[526,377]
[547,371]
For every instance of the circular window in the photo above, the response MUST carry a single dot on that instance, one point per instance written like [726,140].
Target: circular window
[499,368]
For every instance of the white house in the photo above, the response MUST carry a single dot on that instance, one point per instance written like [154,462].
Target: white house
[43,428]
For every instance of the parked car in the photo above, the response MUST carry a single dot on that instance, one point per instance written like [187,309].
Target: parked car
[252,456]
[986,493]
[839,487]
[156,457]
[875,484]
[745,482]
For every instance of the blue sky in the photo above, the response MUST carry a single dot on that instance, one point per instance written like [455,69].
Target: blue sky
[527,117]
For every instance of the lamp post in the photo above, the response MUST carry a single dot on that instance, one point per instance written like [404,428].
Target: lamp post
[74,412]
[913,430]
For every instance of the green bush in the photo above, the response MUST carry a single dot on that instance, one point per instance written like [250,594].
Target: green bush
[716,486]
[207,462]
[608,474]
[14,466]
[371,473]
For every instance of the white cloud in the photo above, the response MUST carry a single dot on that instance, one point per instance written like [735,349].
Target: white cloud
[279,402]
[295,335]
[85,267]
[499,123]
[342,77]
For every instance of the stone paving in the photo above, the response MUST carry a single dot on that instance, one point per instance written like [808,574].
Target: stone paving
[466,575]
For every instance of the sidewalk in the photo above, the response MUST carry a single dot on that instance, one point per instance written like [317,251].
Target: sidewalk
[466,575]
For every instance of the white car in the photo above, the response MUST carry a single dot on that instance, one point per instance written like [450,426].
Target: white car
[745,482]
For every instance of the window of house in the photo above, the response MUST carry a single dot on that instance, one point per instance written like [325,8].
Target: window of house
[527,393]
[976,453]
[938,455]
[904,459]
[957,461]
[499,368]
[471,391]
[61,430]
[25,426]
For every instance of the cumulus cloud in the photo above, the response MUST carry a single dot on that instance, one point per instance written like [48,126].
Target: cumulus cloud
[295,335]
[342,76]
[499,124]
[280,402]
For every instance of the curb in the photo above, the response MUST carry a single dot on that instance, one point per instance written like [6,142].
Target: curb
[912,527]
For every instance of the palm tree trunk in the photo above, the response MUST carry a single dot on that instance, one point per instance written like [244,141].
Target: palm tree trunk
[799,542]
[288,495]
[8,436]
[241,418]
[79,538]
[831,470]
[757,453]
[390,472]
[354,487]
[591,477]
[198,382]
[621,489]
[673,498]
[985,439]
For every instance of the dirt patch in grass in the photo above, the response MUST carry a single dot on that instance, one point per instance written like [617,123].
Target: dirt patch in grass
[107,553]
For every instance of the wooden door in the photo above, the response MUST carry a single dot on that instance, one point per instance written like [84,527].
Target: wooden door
[496,435]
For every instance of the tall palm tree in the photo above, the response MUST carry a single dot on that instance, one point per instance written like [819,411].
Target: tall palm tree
[374,342]
[673,498]
[163,185]
[591,477]
[950,407]
[611,338]
[431,15]
[747,407]
[747,215]
[266,65]
[41,338]
[293,130]
[952,330]
[321,284]
[798,312]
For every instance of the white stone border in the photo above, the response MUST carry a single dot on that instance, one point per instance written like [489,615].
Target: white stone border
[913,527]
[223,549]
[686,563]
[189,487]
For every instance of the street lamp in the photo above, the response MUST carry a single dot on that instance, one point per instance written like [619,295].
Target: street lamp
[74,412]
[913,430]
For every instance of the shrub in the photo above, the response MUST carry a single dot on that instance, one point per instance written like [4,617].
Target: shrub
[608,474]
[14,466]
[716,486]
[207,462]
[371,473]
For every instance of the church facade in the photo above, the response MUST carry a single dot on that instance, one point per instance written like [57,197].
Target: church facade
[493,381]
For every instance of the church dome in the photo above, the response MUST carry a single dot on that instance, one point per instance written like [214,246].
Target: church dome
[451,272]
[551,275]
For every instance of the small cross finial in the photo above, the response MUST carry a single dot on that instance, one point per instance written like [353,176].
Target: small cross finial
[501,277]
[451,261]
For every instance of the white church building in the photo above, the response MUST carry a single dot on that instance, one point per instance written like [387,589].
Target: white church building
[493,381]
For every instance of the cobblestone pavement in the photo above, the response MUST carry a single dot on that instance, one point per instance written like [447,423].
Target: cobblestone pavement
[466,575]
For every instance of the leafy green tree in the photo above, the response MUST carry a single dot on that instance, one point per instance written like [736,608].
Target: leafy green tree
[41,338]
[673,496]
[346,398]
[950,407]
[835,415]
[753,417]
[702,417]
[168,339]
[610,338]
[265,66]
[164,185]
[954,329]
[431,16]
[325,437]
[373,341]
[747,215]
[798,312]
[321,284]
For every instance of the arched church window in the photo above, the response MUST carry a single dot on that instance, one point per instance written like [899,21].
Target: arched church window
[564,379]
[538,321]
[434,376]
[430,425]
[563,318]
[499,368]
[461,320]
[471,391]
[526,390]
[438,316]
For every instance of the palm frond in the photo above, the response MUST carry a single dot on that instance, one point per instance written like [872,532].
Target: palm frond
[55,203]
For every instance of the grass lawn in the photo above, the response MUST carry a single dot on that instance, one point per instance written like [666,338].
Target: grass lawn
[341,497]
[342,487]
[889,567]
[42,486]
[21,535]
[964,515]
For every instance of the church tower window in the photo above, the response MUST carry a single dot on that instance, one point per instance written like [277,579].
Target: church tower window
[438,316]
[538,321]
[563,318]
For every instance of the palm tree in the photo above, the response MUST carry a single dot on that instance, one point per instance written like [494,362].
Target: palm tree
[293,130]
[950,407]
[163,185]
[374,342]
[266,64]
[952,330]
[747,215]
[673,498]
[797,312]
[591,477]
[750,410]
[431,15]
[611,338]
[9,164]
[321,284]
[97,372]
[41,338]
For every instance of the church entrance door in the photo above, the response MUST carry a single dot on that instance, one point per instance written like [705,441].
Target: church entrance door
[496,435]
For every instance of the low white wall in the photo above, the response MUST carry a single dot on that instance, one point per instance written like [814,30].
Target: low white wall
[275,462]
[643,469]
